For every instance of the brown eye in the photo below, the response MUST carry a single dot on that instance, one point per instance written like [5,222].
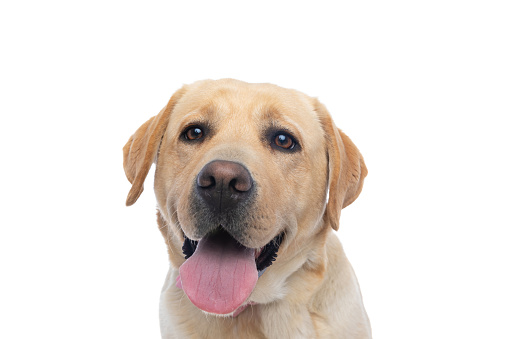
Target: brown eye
[193,133]
[284,141]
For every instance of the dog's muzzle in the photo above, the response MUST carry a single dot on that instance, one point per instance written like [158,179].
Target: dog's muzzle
[220,272]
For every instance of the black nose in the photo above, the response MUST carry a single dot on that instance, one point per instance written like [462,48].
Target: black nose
[224,184]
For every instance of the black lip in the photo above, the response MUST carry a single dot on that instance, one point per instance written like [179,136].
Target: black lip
[269,253]
[264,260]
[189,247]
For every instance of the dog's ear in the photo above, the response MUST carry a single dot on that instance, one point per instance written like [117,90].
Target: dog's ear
[140,151]
[346,168]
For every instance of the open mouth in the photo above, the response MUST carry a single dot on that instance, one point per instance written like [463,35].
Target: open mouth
[263,256]
[220,273]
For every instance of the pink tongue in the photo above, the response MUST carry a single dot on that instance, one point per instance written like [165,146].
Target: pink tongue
[220,275]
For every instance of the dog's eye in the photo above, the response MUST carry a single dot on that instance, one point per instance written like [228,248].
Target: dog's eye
[193,133]
[284,141]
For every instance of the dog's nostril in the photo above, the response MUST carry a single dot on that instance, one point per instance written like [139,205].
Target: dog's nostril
[205,181]
[233,183]
[242,185]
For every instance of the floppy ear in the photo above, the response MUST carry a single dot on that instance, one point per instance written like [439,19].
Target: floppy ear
[141,149]
[346,168]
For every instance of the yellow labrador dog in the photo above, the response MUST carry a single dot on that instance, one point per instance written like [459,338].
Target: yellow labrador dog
[250,181]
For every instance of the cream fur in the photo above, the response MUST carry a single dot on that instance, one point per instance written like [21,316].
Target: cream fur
[311,290]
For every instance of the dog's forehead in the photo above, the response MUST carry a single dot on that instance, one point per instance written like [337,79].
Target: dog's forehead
[233,100]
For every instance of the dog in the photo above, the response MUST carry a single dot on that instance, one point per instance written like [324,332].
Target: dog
[250,181]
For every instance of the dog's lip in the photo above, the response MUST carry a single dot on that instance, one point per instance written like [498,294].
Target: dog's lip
[264,256]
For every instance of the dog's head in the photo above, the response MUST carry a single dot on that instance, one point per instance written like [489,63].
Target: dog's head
[242,175]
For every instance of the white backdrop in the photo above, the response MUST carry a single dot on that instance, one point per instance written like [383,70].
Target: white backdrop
[422,88]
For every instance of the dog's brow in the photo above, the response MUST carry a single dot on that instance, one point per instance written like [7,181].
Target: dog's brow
[270,113]
[198,114]
[195,116]
[277,118]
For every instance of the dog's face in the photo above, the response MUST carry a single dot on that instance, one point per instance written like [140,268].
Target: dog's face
[253,147]
[243,169]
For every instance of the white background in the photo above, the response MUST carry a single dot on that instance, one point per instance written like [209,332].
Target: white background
[422,88]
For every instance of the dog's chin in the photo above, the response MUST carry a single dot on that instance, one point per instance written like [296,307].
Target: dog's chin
[227,315]
[234,313]
[220,273]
